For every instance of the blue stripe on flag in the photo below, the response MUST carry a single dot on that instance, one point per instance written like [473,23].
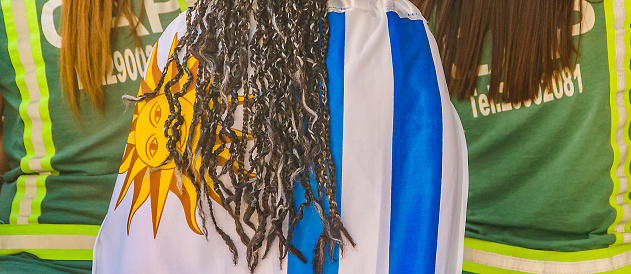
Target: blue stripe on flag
[416,149]
[309,229]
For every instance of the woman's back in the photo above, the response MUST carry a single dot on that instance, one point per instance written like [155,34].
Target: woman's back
[550,175]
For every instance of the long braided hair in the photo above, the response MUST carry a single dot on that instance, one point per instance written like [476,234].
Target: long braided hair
[285,117]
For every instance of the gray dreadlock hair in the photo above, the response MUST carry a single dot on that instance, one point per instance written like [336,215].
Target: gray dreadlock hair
[285,111]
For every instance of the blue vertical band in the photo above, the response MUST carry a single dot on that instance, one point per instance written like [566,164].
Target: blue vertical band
[416,149]
[335,68]
[309,229]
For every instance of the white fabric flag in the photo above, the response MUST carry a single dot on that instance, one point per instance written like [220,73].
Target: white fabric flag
[396,139]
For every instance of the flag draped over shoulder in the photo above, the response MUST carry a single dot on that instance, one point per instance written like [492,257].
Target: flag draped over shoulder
[396,141]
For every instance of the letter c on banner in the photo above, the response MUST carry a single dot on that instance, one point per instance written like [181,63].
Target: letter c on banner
[48,23]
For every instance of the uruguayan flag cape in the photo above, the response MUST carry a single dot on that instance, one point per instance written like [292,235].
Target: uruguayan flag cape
[397,143]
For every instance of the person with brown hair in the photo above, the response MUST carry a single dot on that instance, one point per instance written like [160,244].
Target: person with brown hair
[542,88]
[65,65]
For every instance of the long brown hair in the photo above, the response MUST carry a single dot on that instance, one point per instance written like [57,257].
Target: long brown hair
[85,46]
[530,41]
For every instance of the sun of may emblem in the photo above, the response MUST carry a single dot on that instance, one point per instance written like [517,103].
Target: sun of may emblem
[146,150]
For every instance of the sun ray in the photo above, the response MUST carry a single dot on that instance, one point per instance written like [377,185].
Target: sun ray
[127,183]
[141,193]
[159,194]
[192,64]
[146,149]
[172,69]
[127,159]
[154,72]
[131,146]
[188,198]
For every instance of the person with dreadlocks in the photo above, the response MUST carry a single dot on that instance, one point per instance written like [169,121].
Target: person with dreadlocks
[319,135]
[542,88]
[65,65]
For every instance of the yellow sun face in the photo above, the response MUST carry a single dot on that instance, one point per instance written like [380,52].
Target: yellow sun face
[146,149]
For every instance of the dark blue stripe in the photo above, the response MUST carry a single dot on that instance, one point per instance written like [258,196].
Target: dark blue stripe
[309,229]
[416,149]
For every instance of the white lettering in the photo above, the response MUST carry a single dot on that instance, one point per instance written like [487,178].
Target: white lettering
[517,105]
[579,78]
[556,88]
[483,70]
[588,18]
[154,10]
[119,63]
[538,97]
[111,79]
[506,106]
[48,23]
[473,107]
[130,63]
[568,85]
[547,96]
[483,102]
[564,84]
[140,58]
